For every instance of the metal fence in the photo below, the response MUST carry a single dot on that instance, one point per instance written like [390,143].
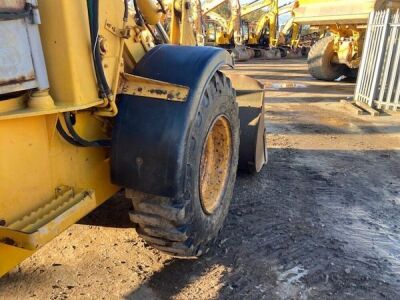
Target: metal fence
[378,82]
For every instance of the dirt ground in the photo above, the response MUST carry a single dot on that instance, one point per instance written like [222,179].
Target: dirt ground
[321,221]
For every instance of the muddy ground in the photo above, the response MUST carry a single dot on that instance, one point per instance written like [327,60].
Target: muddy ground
[322,220]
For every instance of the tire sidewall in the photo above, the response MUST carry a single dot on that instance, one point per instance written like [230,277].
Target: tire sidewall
[320,60]
[218,100]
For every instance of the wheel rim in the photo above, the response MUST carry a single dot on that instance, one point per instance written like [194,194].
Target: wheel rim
[215,164]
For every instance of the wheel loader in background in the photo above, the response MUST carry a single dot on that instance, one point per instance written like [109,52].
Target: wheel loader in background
[90,105]
[342,25]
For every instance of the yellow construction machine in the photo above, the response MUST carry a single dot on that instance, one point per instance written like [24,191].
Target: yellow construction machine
[267,19]
[185,22]
[94,99]
[264,37]
[264,33]
[342,25]
[227,33]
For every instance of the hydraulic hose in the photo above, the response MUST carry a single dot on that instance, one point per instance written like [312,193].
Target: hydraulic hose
[161,31]
[93,9]
[141,21]
[73,138]
[65,135]
[139,16]
[78,139]
[126,10]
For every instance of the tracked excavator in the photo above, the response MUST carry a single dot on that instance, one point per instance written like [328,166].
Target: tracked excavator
[265,33]
[264,38]
[227,33]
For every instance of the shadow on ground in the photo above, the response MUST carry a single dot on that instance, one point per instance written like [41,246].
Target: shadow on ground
[313,223]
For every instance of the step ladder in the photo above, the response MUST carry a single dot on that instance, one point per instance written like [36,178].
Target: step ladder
[38,227]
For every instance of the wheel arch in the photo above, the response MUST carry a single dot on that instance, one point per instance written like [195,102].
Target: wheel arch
[150,135]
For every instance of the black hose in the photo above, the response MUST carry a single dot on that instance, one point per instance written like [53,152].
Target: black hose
[93,8]
[126,11]
[156,39]
[163,10]
[161,31]
[140,22]
[65,135]
[139,17]
[82,142]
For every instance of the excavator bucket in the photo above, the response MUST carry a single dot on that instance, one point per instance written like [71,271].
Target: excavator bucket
[253,148]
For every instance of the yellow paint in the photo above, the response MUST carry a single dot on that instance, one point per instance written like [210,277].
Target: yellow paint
[34,159]
[11,256]
[33,231]
[182,29]
[66,42]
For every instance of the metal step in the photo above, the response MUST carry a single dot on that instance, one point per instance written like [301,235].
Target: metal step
[38,227]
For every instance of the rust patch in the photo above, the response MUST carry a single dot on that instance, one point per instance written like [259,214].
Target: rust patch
[158,91]
[12,5]
[17,80]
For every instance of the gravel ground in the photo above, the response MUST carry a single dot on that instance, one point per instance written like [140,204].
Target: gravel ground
[321,221]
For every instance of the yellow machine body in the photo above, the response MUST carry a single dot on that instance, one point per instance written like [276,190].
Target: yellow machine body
[47,184]
[227,31]
[268,19]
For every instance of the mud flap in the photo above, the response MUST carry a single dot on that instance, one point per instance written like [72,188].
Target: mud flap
[150,136]
[253,147]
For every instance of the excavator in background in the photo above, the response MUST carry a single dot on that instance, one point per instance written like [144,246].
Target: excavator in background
[342,25]
[96,97]
[289,36]
[226,33]
[217,29]
[263,42]
[264,38]
[185,22]
[265,33]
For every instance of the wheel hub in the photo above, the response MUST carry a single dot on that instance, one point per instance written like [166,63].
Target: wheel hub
[215,164]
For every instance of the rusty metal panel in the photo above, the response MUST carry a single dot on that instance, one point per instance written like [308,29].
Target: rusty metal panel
[12,5]
[16,66]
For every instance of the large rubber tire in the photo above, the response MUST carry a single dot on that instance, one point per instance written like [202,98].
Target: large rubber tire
[181,226]
[351,73]
[320,63]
